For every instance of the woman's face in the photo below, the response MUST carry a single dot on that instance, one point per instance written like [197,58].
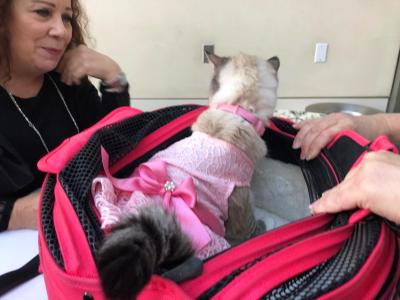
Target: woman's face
[40,31]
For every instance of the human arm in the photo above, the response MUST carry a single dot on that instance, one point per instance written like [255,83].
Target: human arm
[25,212]
[16,181]
[315,134]
[87,105]
[374,185]
[19,213]
[82,61]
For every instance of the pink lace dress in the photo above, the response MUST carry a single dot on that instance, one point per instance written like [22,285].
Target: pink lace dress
[193,178]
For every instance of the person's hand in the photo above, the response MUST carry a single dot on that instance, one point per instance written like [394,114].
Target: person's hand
[83,61]
[25,212]
[374,185]
[315,134]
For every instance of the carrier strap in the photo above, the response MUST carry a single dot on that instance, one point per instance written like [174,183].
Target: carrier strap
[11,279]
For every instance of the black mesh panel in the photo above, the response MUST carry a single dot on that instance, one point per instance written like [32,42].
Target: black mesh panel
[334,272]
[49,233]
[118,139]
[348,158]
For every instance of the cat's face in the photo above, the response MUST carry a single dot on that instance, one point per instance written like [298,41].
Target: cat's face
[245,80]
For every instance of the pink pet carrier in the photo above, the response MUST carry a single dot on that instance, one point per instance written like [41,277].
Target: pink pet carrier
[351,255]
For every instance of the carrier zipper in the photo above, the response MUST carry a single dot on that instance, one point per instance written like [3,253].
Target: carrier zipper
[391,288]
[334,272]
[237,258]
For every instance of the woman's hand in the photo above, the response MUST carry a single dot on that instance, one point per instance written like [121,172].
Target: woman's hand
[374,185]
[315,134]
[83,61]
[25,212]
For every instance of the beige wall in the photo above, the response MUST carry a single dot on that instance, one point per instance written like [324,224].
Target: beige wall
[159,43]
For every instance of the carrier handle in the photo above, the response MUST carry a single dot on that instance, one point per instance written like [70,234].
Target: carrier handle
[381,143]
[56,160]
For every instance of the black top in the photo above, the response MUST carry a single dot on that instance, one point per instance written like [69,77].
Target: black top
[20,146]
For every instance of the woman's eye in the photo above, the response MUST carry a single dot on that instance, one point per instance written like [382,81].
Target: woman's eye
[43,12]
[67,18]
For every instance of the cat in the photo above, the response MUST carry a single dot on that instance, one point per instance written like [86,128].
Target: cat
[242,98]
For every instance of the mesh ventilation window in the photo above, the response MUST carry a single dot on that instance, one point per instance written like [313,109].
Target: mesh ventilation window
[48,229]
[118,139]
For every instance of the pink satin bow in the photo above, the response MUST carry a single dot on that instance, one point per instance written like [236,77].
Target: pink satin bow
[151,179]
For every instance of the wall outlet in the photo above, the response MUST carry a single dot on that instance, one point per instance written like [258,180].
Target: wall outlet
[210,49]
[321,50]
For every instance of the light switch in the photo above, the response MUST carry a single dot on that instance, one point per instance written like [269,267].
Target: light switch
[321,50]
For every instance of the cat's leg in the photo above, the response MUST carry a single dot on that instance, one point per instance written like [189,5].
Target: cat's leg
[241,224]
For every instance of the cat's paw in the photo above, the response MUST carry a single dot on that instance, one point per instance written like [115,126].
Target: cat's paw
[260,228]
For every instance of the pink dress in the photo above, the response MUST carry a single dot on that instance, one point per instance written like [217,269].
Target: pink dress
[193,178]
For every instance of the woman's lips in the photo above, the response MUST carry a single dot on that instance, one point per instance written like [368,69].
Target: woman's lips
[53,51]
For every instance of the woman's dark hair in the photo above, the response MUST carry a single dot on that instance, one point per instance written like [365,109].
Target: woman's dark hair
[79,24]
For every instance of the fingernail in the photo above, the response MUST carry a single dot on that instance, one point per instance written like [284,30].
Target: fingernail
[314,209]
[310,207]
[296,145]
[302,156]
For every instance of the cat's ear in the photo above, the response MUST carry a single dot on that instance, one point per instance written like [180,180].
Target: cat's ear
[214,59]
[274,61]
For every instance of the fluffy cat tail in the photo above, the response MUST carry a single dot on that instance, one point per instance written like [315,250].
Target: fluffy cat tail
[141,245]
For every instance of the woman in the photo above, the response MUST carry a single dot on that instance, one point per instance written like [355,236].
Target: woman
[45,95]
